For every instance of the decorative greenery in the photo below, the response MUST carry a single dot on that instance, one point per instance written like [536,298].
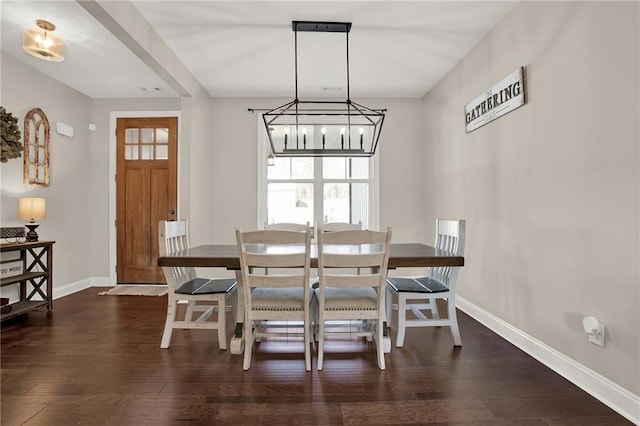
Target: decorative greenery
[10,132]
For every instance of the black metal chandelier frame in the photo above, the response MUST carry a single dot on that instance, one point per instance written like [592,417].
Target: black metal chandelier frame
[344,114]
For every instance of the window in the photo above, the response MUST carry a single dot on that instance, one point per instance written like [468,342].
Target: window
[316,189]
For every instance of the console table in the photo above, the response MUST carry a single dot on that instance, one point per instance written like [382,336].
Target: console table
[36,277]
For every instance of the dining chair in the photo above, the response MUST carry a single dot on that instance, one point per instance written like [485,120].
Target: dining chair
[283,296]
[203,295]
[352,267]
[420,294]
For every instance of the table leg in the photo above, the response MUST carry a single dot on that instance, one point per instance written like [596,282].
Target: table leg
[386,339]
[237,341]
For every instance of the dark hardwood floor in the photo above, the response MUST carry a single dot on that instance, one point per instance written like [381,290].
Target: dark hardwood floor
[97,361]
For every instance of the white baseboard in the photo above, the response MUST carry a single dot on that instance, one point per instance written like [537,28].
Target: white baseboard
[609,393]
[74,287]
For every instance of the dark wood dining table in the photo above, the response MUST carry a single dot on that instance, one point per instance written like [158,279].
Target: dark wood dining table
[401,255]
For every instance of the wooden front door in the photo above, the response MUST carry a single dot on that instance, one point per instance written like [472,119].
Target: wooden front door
[146,186]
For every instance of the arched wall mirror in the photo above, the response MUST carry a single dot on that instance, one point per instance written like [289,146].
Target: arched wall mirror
[36,148]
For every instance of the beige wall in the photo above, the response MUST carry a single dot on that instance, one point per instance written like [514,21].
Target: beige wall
[69,214]
[550,191]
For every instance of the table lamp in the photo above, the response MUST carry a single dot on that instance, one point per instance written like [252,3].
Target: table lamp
[32,208]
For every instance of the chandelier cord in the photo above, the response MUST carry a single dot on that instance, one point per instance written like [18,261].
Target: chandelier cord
[348,93]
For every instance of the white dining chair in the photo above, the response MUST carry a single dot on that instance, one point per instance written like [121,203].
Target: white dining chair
[420,294]
[352,267]
[284,296]
[203,295]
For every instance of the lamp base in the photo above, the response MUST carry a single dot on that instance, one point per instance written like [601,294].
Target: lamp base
[32,235]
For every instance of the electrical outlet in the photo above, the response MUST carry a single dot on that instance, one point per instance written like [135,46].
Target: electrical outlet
[598,338]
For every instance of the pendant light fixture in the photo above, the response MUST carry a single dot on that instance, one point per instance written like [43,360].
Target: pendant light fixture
[40,42]
[323,128]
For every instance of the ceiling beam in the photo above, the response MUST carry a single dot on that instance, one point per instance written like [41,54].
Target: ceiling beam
[127,24]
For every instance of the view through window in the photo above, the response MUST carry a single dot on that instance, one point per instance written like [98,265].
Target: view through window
[319,189]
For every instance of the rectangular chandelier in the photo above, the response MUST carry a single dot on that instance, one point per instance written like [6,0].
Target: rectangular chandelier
[323,128]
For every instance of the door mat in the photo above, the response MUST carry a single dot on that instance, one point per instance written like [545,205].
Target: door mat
[135,290]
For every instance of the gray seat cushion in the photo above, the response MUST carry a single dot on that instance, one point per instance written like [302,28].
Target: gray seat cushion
[345,299]
[207,286]
[417,285]
[278,299]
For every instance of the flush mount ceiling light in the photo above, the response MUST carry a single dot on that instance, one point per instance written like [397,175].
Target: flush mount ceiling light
[41,43]
[323,128]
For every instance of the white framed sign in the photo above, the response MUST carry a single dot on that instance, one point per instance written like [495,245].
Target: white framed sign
[503,97]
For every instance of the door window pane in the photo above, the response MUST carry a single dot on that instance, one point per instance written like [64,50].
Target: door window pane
[162,135]
[146,135]
[131,136]
[131,152]
[147,152]
[162,152]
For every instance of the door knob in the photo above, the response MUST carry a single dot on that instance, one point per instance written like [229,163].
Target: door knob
[172,212]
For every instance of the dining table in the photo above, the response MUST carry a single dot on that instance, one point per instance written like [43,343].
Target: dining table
[401,255]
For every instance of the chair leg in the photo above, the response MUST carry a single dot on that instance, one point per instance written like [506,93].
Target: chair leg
[314,317]
[320,344]
[307,343]
[389,305]
[402,320]
[380,345]
[222,323]
[168,325]
[248,345]
[191,304]
[433,307]
[453,318]
[234,305]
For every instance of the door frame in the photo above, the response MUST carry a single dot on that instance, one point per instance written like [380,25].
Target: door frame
[113,118]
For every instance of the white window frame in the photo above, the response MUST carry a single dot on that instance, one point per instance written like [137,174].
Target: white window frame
[263,150]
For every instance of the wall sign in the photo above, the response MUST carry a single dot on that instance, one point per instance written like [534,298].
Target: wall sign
[501,98]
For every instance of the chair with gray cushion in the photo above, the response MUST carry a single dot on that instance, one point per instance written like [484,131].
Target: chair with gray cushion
[275,304]
[203,295]
[352,267]
[420,294]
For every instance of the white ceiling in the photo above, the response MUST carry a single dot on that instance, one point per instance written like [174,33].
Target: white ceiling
[240,48]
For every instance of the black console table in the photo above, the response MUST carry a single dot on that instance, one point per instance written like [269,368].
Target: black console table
[36,277]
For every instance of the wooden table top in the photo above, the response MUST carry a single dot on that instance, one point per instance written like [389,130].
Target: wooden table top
[226,256]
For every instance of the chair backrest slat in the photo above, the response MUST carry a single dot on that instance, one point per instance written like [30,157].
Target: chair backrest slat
[338,226]
[287,226]
[288,250]
[277,280]
[450,237]
[350,281]
[355,260]
[282,260]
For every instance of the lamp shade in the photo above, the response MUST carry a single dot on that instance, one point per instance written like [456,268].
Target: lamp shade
[32,208]
[39,41]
